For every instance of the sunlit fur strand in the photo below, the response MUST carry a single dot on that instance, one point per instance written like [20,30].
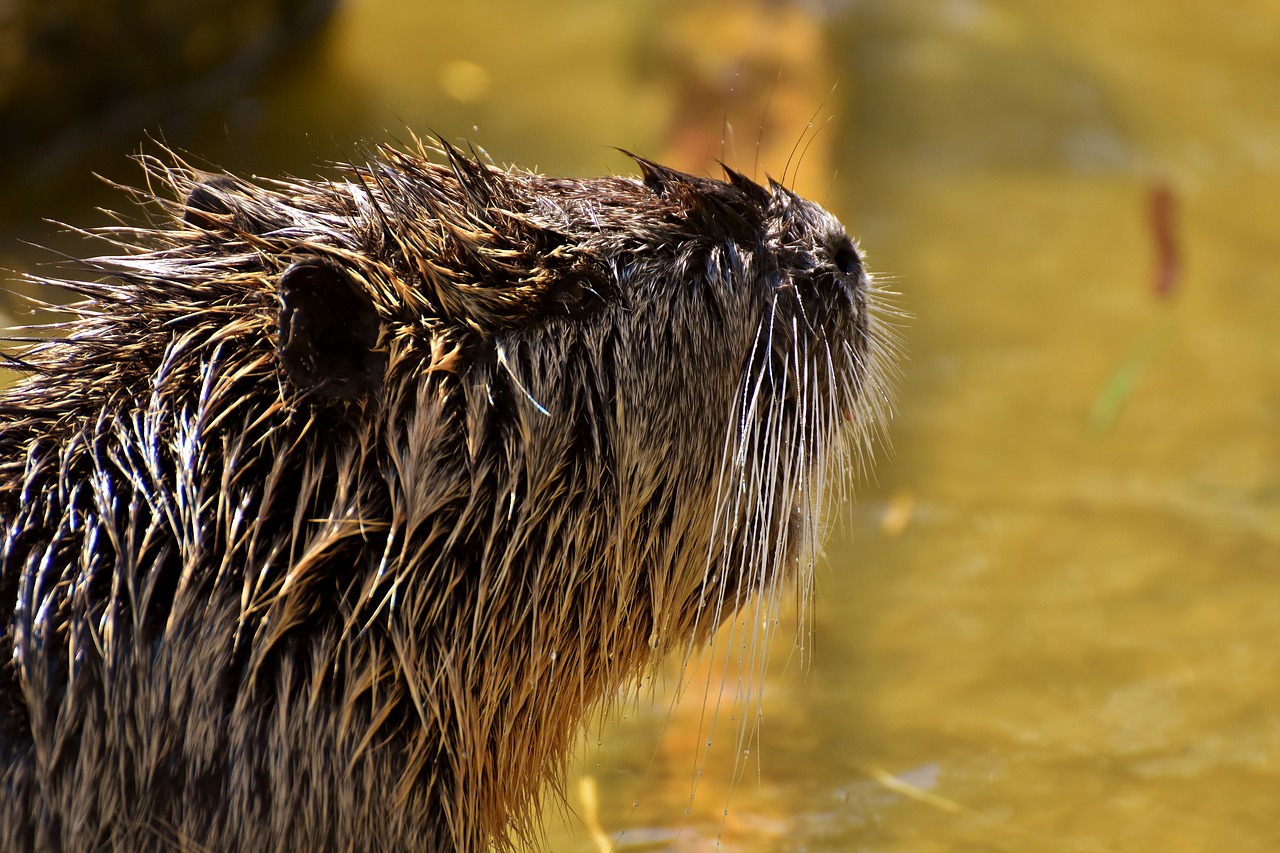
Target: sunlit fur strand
[447,574]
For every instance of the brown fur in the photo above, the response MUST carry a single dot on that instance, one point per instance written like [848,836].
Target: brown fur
[334,506]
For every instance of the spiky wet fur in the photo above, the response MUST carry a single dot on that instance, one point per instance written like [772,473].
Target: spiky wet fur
[238,615]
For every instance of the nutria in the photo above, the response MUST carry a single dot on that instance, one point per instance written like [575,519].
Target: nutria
[333,506]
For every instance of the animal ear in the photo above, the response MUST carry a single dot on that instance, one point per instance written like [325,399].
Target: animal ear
[207,205]
[328,332]
[225,204]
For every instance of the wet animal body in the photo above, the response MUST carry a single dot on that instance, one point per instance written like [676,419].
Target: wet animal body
[330,508]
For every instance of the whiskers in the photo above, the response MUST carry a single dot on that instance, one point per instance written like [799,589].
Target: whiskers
[809,418]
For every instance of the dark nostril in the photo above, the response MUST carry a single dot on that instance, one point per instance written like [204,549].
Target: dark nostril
[846,258]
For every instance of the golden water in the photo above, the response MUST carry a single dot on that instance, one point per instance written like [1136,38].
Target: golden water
[1040,628]
[1074,641]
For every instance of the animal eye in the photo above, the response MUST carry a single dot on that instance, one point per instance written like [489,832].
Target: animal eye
[576,295]
[845,258]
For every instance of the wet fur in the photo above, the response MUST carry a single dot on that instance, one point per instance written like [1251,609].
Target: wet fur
[360,596]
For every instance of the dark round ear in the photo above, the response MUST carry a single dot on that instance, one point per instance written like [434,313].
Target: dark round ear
[225,204]
[328,332]
[207,205]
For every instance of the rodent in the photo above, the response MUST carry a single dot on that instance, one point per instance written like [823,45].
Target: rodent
[332,506]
